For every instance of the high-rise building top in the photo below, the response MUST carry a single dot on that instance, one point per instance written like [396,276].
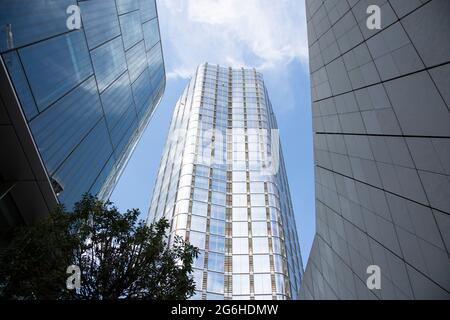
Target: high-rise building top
[80,80]
[381,120]
[222,184]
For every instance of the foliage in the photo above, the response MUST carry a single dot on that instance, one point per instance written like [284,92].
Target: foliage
[119,257]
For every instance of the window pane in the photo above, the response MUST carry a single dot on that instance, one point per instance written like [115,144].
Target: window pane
[215,282]
[257,187]
[198,223]
[216,262]
[200,208]
[217,243]
[240,229]
[240,264]
[258,200]
[239,187]
[240,214]
[197,239]
[241,284]
[239,200]
[261,263]
[260,245]
[218,212]
[217,227]
[259,229]
[258,213]
[240,245]
[263,284]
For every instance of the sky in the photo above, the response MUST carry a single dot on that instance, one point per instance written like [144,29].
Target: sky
[265,34]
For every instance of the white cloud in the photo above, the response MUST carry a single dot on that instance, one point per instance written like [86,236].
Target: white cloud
[265,34]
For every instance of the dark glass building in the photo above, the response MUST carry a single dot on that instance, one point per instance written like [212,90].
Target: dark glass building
[381,121]
[74,99]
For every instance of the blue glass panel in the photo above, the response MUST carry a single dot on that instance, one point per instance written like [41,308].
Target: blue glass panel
[156,66]
[78,173]
[59,129]
[102,176]
[116,99]
[148,9]
[100,21]
[109,62]
[142,92]
[131,29]
[137,61]
[20,84]
[151,33]
[124,6]
[126,135]
[128,120]
[32,21]
[55,66]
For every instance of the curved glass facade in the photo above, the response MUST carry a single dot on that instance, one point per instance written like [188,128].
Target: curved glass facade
[87,93]
[223,186]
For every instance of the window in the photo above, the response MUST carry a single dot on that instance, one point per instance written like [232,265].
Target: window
[217,227]
[258,213]
[239,176]
[197,239]
[280,283]
[240,229]
[179,222]
[216,262]
[239,187]
[260,245]
[198,278]
[218,198]
[215,282]
[199,208]
[198,223]
[200,261]
[259,229]
[240,214]
[240,245]
[241,264]
[278,262]
[218,212]
[202,171]
[239,200]
[219,185]
[257,187]
[216,243]
[276,242]
[201,195]
[241,284]
[273,201]
[182,206]
[184,193]
[201,182]
[263,284]
[274,214]
[261,263]
[258,200]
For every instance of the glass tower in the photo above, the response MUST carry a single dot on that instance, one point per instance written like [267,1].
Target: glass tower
[84,92]
[223,186]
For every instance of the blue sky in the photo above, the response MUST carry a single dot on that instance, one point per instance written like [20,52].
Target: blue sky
[265,34]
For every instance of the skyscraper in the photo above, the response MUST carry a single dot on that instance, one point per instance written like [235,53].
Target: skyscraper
[79,82]
[381,122]
[222,185]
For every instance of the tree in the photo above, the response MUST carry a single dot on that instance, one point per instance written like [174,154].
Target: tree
[118,256]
